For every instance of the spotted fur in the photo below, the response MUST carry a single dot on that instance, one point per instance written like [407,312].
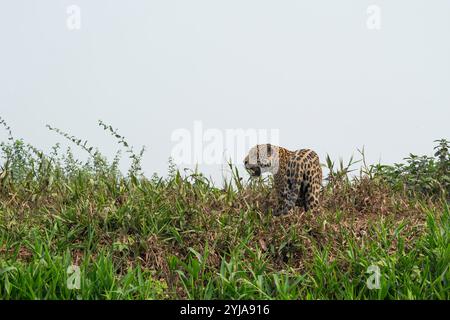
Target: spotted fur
[297,175]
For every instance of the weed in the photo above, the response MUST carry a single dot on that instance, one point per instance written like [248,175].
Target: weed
[181,236]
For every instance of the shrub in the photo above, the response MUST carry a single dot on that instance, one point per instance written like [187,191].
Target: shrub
[421,175]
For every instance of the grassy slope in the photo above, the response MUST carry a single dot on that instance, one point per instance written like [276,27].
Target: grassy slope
[184,238]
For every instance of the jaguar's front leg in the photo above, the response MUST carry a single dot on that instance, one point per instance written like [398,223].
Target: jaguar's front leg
[286,201]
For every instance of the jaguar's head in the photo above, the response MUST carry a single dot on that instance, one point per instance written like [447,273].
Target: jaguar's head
[261,158]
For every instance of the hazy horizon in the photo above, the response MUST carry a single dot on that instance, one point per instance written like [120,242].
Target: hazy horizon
[312,70]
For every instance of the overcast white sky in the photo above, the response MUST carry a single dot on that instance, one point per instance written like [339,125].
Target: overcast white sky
[311,69]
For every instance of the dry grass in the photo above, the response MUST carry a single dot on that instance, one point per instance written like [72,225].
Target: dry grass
[183,237]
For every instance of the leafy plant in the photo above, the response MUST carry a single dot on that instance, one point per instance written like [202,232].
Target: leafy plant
[182,237]
[422,175]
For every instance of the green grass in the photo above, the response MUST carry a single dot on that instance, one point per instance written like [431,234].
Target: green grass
[181,237]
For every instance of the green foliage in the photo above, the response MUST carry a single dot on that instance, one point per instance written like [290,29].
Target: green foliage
[183,237]
[422,175]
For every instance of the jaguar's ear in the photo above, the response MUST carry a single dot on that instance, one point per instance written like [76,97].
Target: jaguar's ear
[269,149]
